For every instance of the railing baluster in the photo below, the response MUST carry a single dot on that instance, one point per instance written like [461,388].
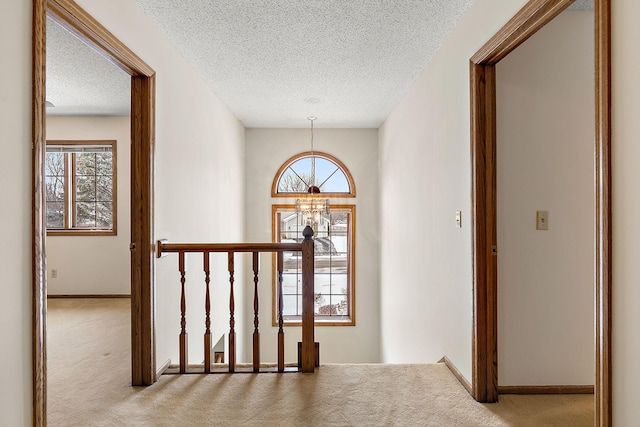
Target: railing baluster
[232,322]
[280,319]
[183,311]
[207,321]
[256,321]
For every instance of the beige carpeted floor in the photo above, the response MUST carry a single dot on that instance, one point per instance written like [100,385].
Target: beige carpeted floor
[89,385]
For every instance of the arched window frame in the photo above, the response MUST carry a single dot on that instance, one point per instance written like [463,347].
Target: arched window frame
[350,209]
[316,154]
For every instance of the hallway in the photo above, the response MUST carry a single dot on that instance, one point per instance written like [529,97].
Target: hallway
[89,377]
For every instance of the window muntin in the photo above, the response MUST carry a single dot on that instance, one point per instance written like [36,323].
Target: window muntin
[80,180]
[294,176]
[334,252]
[55,191]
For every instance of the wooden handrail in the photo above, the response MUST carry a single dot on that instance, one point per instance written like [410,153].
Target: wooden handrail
[307,358]
[163,247]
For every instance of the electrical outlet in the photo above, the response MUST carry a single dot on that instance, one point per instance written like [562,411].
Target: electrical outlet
[542,220]
[54,273]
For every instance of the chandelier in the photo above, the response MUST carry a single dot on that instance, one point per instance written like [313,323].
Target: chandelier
[312,207]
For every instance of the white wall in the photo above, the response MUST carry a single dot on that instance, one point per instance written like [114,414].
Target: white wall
[15,192]
[199,178]
[94,264]
[545,117]
[266,151]
[626,211]
[426,276]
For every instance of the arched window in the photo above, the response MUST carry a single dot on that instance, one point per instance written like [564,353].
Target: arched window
[334,235]
[328,173]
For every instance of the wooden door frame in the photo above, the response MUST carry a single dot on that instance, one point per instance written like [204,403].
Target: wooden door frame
[76,20]
[533,16]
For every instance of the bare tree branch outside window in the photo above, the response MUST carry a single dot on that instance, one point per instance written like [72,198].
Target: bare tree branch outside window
[294,183]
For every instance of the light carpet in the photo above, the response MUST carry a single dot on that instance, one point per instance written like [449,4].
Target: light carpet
[89,385]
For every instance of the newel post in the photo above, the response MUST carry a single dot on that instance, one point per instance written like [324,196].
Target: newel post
[308,338]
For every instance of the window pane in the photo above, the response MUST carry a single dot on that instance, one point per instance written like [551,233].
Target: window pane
[339,305]
[290,284]
[339,283]
[323,247]
[104,188]
[85,163]
[55,214]
[291,183]
[291,262]
[85,188]
[54,164]
[322,283]
[54,188]
[292,305]
[302,169]
[104,215]
[320,303]
[333,305]
[339,264]
[324,169]
[336,184]
[85,215]
[104,164]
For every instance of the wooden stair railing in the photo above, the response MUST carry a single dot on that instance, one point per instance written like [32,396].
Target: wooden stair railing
[307,357]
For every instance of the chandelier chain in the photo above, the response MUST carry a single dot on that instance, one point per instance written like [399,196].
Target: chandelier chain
[313,209]
[313,158]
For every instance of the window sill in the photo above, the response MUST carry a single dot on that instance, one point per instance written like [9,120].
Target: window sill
[319,322]
[81,232]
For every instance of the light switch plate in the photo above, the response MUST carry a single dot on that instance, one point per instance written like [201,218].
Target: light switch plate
[458,219]
[542,220]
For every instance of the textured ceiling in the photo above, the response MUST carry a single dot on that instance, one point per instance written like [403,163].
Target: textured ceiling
[80,81]
[274,62]
[583,5]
